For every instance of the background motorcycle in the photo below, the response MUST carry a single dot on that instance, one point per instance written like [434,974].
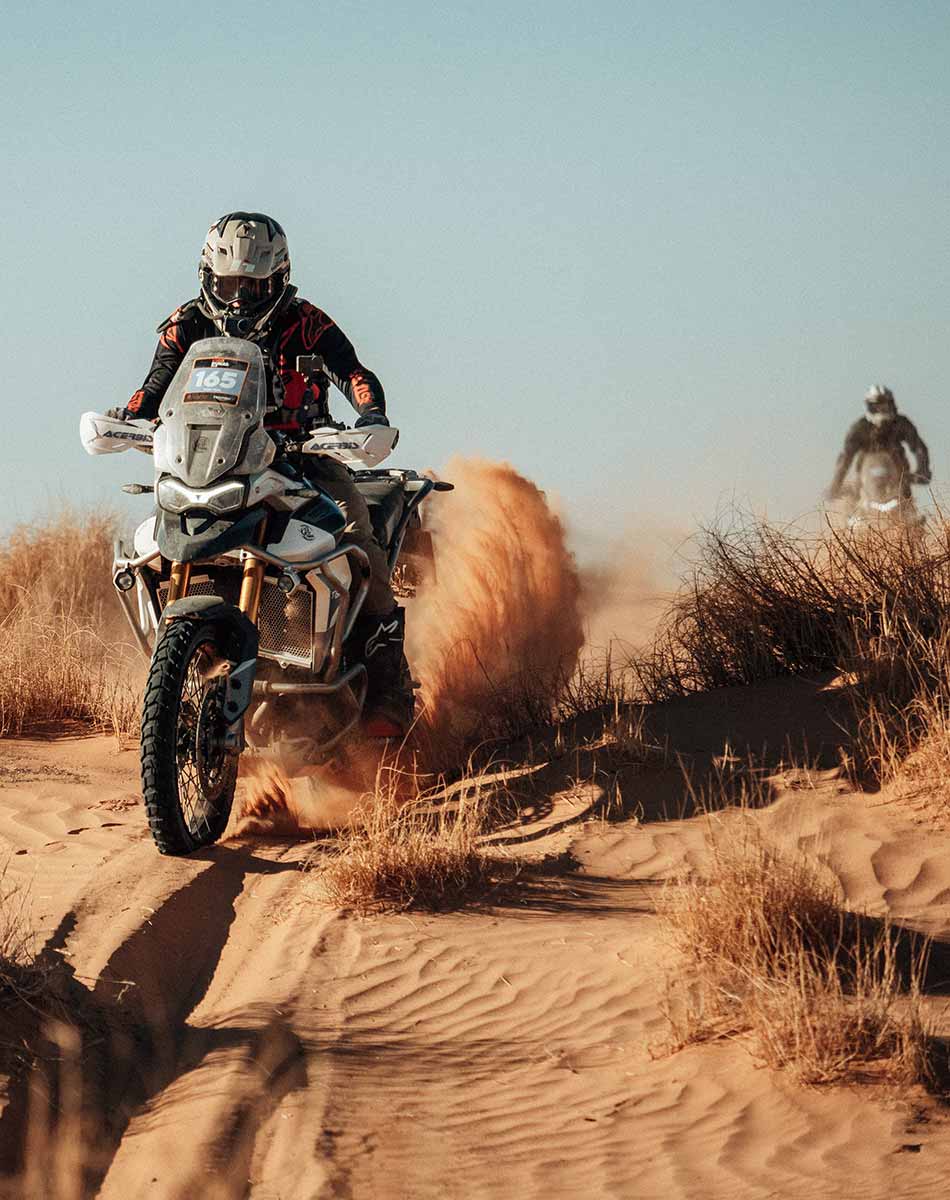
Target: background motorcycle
[881,495]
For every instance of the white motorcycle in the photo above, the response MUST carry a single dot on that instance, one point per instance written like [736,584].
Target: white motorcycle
[241,587]
[880,496]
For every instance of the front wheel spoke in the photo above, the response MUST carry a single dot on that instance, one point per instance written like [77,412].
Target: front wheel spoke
[188,770]
[200,754]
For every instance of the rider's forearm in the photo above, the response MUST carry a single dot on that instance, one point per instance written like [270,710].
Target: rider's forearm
[360,386]
[146,401]
[907,433]
[365,392]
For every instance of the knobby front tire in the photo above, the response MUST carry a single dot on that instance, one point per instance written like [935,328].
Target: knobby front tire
[188,778]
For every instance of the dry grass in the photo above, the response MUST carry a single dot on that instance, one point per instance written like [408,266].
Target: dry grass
[829,1022]
[55,1151]
[625,738]
[601,681]
[19,974]
[56,672]
[411,849]
[822,992]
[416,841]
[765,602]
[900,690]
[65,654]
[52,1161]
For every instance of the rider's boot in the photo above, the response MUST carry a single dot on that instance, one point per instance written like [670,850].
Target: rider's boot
[379,642]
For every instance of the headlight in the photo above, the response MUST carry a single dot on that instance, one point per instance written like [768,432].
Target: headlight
[176,497]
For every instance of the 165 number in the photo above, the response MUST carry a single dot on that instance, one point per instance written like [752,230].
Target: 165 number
[214,379]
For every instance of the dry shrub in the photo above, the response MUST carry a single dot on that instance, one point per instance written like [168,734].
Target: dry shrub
[19,974]
[823,992]
[55,1151]
[765,602]
[43,1042]
[56,672]
[624,736]
[829,1022]
[64,561]
[416,851]
[64,652]
[52,1160]
[901,695]
[759,905]
[756,607]
[602,681]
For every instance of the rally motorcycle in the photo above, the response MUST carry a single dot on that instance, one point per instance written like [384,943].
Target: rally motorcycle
[880,496]
[241,587]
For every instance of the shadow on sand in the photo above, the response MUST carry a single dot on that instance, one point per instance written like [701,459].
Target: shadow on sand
[135,1036]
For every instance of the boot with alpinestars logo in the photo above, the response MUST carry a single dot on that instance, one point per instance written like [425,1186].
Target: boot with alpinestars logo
[379,643]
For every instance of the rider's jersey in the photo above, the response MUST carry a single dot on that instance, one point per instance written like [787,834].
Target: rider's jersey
[301,329]
[864,437]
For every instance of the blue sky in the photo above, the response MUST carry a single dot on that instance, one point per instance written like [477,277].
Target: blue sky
[651,254]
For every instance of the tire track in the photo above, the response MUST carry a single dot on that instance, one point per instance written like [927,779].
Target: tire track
[148,962]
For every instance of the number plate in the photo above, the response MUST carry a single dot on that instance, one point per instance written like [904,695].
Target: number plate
[220,379]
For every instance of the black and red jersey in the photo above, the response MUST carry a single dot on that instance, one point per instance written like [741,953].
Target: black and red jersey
[864,437]
[300,329]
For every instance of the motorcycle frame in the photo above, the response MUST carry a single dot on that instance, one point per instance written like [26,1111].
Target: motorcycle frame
[257,559]
[413,501]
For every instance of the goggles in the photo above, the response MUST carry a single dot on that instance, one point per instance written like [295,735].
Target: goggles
[242,289]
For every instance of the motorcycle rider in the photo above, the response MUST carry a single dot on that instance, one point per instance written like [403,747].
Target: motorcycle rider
[883,428]
[244,274]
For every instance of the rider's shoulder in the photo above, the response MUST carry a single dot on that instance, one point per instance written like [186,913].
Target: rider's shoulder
[191,310]
[305,310]
[307,323]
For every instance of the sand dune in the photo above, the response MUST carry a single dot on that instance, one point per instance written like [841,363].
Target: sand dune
[275,1048]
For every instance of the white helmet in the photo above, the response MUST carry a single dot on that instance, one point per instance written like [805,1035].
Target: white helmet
[880,404]
[244,272]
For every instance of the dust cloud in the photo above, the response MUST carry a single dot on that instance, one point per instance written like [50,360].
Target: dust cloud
[491,639]
[628,588]
[501,627]
[325,798]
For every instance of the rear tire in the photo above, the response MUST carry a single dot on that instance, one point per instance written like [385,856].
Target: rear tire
[188,778]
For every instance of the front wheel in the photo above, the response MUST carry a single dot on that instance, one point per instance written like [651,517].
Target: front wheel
[188,770]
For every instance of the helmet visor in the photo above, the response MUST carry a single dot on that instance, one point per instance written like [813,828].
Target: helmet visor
[881,406]
[244,291]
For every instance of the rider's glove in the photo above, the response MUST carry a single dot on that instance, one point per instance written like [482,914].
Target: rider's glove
[118,414]
[920,477]
[370,418]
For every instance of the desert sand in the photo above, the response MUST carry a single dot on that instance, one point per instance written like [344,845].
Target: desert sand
[276,1048]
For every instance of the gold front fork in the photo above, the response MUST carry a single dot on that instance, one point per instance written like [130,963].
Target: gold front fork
[179,577]
[250,599]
